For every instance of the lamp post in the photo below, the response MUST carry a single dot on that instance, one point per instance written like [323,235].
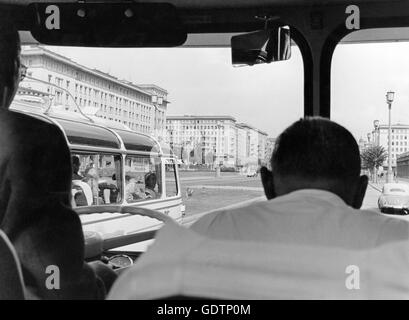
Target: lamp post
[218,147]
[389,99]
[156,103]
[376,132]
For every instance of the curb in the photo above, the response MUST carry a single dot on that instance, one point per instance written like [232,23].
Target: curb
[199,186]
[375,187]
[209,178]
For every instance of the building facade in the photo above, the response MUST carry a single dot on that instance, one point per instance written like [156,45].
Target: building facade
[241,146]
[270,144]
[399,140]
[215,141]
[141,107]
[262,147]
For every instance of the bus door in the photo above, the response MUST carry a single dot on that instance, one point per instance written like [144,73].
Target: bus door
[172,189]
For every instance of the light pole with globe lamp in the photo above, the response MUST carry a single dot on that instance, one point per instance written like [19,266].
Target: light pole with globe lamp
[376,132]
[389,99]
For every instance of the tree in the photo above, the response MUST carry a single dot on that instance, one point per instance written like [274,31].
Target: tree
[372,158]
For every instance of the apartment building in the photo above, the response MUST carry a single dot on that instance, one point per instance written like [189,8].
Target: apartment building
[215,140]
[141,107]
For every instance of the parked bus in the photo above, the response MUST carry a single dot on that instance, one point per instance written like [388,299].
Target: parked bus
[113,167]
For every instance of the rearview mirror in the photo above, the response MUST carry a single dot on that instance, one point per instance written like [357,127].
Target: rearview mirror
[107,24]
[273,44]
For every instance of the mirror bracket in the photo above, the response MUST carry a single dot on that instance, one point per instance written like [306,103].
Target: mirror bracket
[264,46]
[267,19]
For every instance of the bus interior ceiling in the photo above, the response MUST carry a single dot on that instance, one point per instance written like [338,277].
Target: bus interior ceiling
[316,27]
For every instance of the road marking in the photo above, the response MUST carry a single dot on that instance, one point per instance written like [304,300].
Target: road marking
[227,187]
[215,178]
[375,187]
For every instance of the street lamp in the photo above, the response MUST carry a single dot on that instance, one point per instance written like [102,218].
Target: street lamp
[156,102]
[389,99]
[218,147]
[376,131]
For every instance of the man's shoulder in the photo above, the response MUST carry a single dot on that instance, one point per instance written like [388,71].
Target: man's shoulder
[230,217]
[374,217]
[282,219]
[389,228]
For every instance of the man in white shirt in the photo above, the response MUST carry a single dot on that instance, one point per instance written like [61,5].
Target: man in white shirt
[309,240]
[314,194]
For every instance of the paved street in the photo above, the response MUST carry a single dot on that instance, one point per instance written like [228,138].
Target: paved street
[211,193]
[371,198]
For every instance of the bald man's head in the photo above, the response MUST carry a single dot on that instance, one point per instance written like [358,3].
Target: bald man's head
[316,153]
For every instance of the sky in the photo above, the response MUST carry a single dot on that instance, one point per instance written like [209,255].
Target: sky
[202,81]
[361,76]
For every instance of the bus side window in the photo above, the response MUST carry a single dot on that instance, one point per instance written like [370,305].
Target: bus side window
[92,179]
[170,178]
[142,178]
[109,167]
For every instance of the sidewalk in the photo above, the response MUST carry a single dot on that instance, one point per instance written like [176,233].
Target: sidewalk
[378,186]
[404,180]
[210,178]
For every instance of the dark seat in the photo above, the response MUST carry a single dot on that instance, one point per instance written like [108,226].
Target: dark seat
[11,278]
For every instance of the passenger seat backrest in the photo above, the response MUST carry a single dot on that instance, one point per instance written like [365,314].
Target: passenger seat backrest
[11,277]
[86,189]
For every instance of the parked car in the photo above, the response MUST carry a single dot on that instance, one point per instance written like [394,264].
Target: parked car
[252,172]
[227,169]
[394,199]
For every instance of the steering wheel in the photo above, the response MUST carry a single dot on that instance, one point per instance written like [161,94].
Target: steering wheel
[95,245]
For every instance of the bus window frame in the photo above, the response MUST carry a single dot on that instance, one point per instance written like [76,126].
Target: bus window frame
[143,201]
[177,178]
[123,156]
[74,151]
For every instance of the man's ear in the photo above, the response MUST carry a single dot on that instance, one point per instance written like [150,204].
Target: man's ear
[268,183]
[360,192]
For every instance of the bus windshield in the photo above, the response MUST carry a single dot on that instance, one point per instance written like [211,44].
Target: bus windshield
[369,98]
[216,119]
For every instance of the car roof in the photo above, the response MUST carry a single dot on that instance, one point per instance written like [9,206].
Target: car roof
[389,186]
[395,184]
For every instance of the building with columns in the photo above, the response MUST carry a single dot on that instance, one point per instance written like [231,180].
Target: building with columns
[399,140]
